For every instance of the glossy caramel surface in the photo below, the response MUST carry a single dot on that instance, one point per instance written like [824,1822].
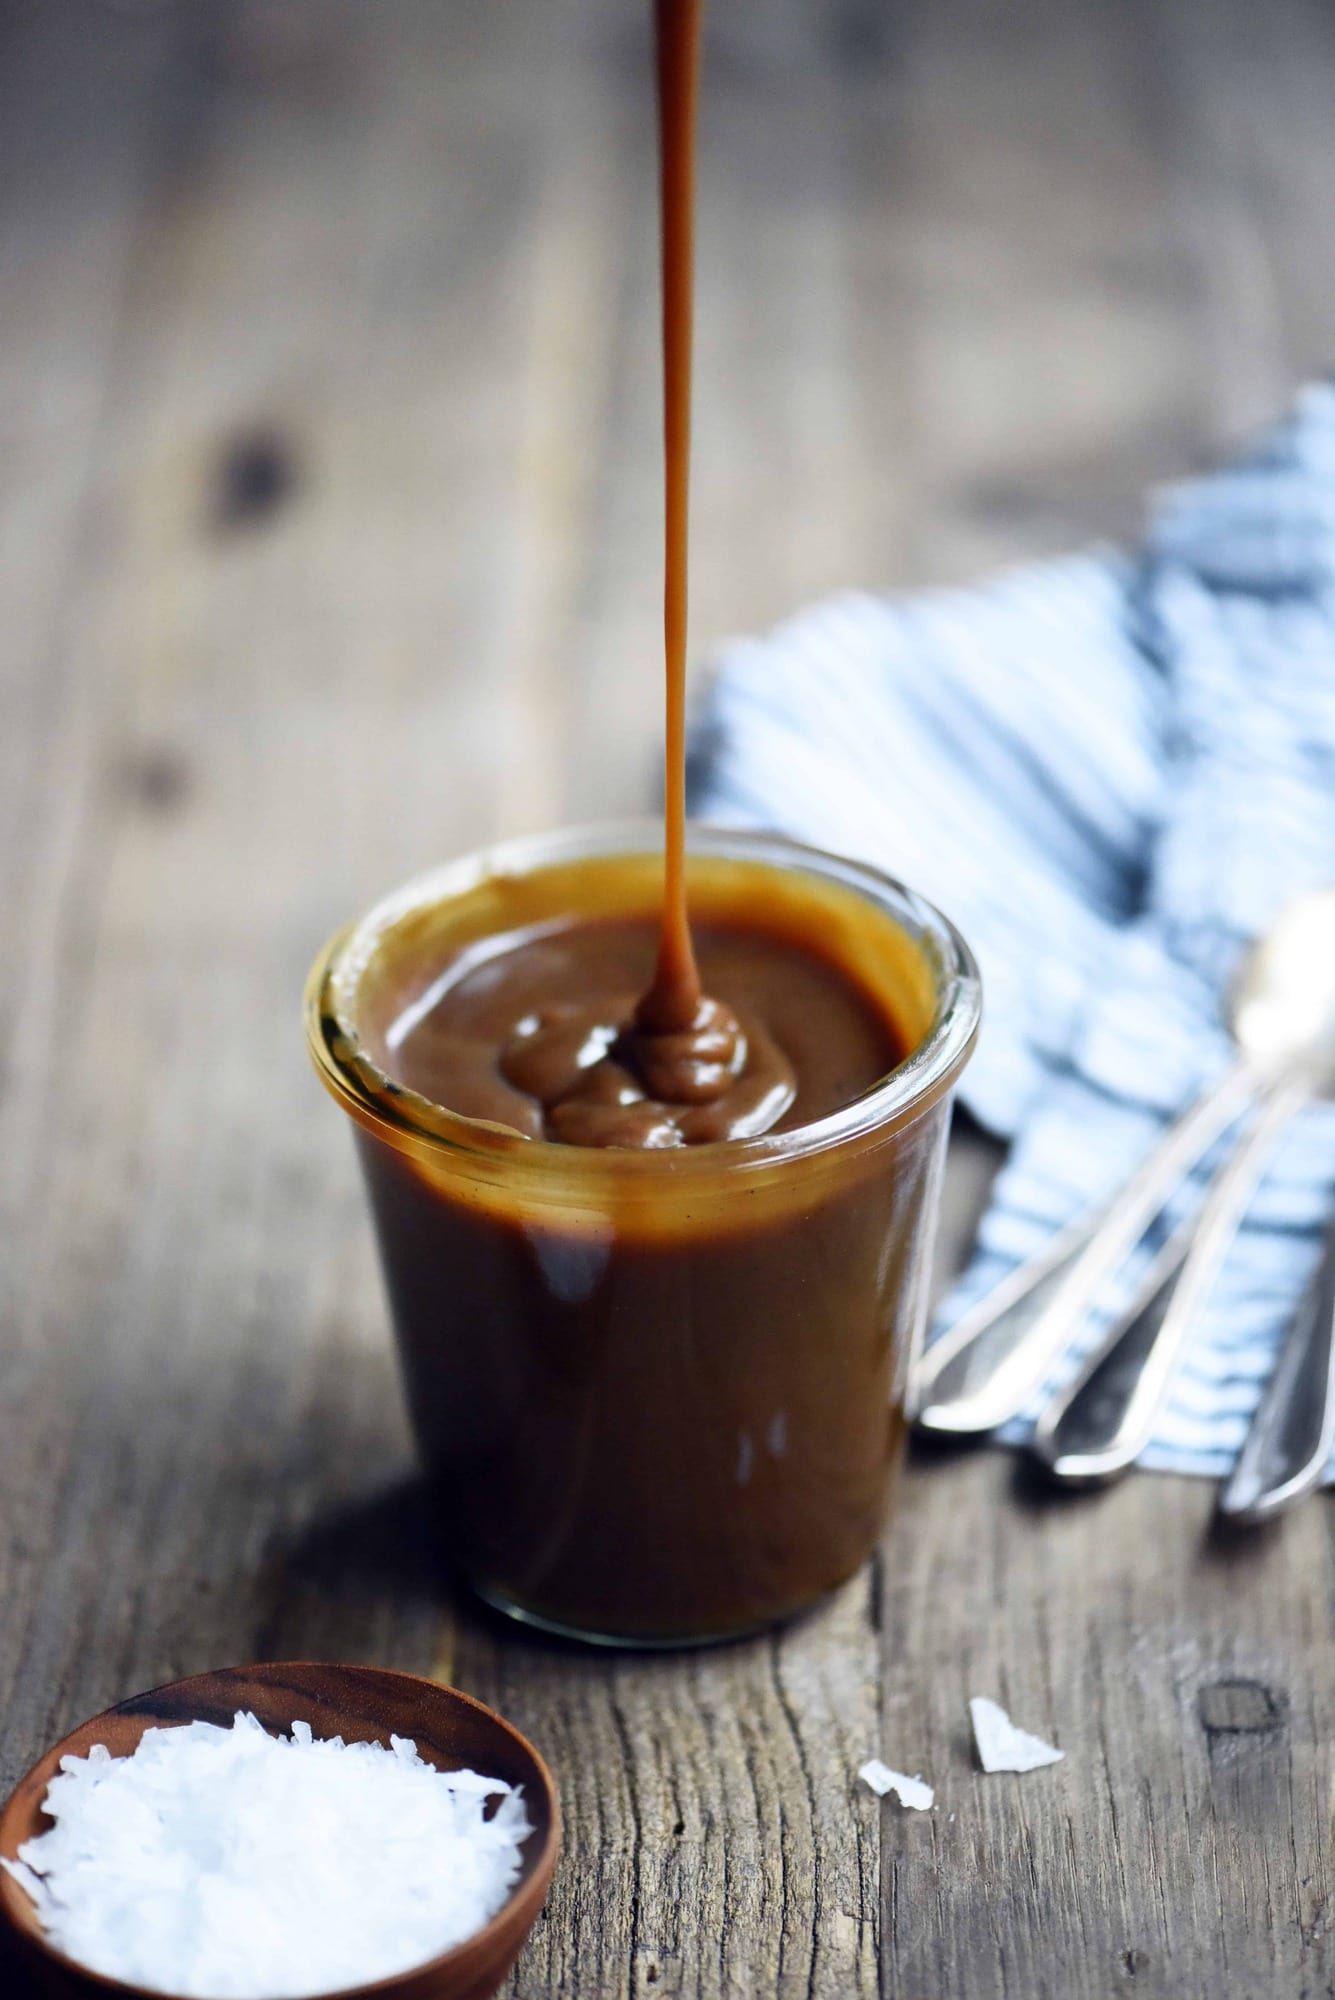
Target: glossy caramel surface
[537,1032]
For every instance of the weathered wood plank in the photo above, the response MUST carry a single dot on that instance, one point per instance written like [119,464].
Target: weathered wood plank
[718,1842]
[1183,1847]
[1100,310]
[328,516]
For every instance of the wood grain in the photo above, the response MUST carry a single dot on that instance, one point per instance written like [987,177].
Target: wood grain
[328,547]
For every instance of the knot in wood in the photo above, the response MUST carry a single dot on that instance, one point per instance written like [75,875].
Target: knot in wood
[1239,1708]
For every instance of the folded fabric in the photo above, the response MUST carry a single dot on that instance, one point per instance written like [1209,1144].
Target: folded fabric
[1111,772]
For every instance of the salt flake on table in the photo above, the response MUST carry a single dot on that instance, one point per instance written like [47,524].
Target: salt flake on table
[911,1792]
[1003,1747]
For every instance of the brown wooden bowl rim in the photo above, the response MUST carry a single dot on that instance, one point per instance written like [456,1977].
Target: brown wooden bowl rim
[528,1894]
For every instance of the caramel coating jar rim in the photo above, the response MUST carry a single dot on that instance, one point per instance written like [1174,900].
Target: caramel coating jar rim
[442,1139]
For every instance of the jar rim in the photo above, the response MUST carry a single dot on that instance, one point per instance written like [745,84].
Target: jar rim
[405,1118]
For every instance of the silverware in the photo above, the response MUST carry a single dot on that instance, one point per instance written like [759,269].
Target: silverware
[984,1370]
[1100,1424]
[1293,1431]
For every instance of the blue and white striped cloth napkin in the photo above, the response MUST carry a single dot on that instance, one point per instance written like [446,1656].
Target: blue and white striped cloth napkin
[1110,772]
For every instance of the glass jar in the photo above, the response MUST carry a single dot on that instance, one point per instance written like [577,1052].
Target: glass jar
[660,1394]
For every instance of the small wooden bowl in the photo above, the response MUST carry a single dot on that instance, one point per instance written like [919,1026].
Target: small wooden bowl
[366,1704]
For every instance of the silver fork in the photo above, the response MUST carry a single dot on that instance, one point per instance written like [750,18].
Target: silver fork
[1292,1434]
[1101,1422]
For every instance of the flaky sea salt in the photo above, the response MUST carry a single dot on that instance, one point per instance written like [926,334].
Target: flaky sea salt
[911,1792]
[1003,1747]
[229,1864]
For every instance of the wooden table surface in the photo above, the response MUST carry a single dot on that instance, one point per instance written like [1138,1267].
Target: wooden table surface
[328,547]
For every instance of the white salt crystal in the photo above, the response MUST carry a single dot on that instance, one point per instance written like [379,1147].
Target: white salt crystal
[1003,1747]
[228,1864]
[911,1792]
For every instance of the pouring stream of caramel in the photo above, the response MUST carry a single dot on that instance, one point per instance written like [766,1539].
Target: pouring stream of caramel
[551,1038]
[673,1001]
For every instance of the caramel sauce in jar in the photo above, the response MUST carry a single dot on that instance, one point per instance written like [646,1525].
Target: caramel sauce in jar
[659,1389]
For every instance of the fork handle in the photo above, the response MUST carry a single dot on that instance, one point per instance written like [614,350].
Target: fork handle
[1100,1425]
[1292,1434]
[985,1369]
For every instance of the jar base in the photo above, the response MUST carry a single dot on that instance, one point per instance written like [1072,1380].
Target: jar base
[631,1642]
